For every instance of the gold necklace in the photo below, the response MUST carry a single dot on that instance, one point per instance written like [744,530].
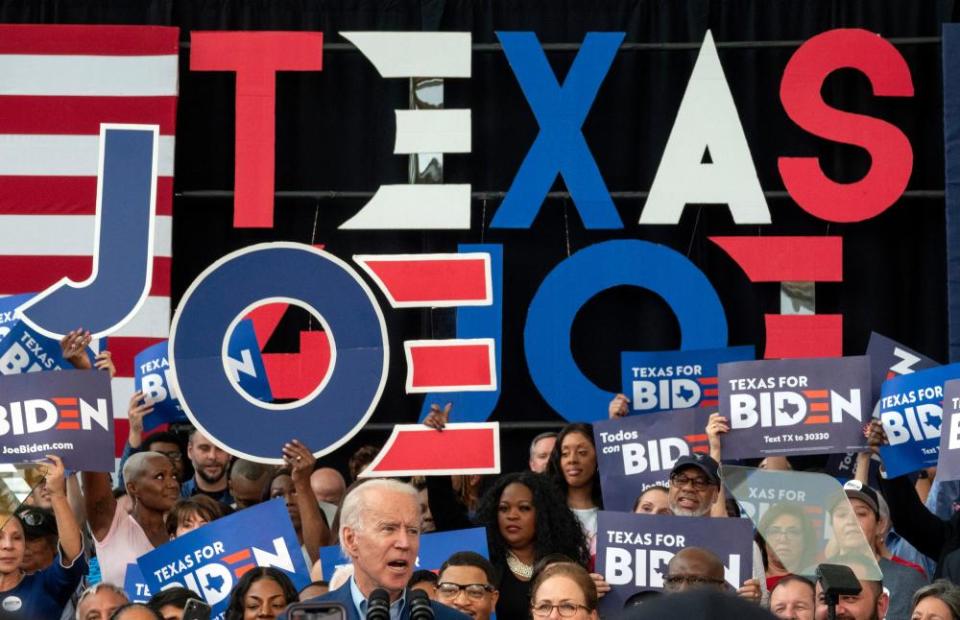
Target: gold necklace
[518,567]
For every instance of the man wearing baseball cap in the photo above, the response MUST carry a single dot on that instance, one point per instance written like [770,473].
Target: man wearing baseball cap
[863,510]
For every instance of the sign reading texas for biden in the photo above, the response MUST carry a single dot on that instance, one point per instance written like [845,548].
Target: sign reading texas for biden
[211,559]
[66,413]
[664,380]
[633,550]
[639,451]
[244,365]
[794,406]
[911,413]
[8,311]
[24,350]
[948,465]
[434,550]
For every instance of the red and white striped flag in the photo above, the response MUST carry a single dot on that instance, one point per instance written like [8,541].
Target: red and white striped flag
[57,84]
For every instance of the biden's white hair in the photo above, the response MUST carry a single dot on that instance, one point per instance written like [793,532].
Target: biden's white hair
[362,497]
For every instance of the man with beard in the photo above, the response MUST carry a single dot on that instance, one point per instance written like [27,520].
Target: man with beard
[210,467]
[694,486]
[870,604]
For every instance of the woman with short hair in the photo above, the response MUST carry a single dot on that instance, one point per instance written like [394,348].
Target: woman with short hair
[567,588]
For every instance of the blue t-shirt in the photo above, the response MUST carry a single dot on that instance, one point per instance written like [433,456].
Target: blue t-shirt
[43,595]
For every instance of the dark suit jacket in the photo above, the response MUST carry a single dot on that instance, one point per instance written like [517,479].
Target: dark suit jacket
[342,595]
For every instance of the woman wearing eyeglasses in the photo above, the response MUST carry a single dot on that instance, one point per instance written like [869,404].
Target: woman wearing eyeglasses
[44,593]
[526,519]
[787,541]
[564,590]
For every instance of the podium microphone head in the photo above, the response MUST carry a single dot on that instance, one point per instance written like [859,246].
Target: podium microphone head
[420,608]
[378,605]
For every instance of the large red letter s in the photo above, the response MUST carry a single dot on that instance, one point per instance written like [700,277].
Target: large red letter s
[889,148]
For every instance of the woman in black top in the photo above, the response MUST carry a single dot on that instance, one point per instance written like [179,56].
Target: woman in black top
[526,518]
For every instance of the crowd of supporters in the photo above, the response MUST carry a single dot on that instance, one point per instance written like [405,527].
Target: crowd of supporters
[66,550]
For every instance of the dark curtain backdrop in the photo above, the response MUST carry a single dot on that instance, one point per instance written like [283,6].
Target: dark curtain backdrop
[335,131]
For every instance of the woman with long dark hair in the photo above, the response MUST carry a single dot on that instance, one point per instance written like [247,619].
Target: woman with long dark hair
[573,467]
[261,593]
[526,520]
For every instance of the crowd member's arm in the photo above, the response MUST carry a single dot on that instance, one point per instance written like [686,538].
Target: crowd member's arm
[910,518]
[74,348]
[717,425]
[104,361]
[137,409]
[448,513]
[619,407]
[71,540]
[98,502]
[862,473]
[75,498]
[313,526]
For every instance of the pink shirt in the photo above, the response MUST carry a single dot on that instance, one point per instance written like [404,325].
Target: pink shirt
[123,544]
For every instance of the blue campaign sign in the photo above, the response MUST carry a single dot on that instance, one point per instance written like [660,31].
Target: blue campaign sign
[664,380]
[637,452]
[152,375]
[67,413]
[210,559]
[911,412]
[24,350]
[434,549]
[889,359]
[8,311]
[633,551]
[135,585]
[948,465]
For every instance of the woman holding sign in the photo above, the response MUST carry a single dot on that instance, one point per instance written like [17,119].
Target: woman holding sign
[42,594]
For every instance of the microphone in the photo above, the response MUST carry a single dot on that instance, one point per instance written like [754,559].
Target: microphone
[420,608]
[378,605]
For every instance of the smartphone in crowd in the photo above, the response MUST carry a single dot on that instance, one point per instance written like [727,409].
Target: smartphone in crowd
[196,610]
[326,610]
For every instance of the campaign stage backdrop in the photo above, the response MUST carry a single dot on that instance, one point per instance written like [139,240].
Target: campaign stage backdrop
[68,413]
[636,452]
[683,221]
[633,551]
[788,407]
[210,559]
[664,380]
[911,410]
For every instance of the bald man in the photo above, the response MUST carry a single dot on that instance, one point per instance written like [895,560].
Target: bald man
[692,568]
[328,485]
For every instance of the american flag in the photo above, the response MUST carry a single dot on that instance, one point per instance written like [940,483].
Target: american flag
[57,84]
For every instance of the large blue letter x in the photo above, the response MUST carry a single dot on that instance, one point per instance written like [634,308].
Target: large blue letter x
[560,145]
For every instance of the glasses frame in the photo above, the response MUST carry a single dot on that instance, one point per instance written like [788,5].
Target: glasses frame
[537,610]
[462,587]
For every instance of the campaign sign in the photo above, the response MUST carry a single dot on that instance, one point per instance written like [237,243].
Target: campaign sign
[135,585]
[152,375]
[8,311]
[24,350]
[889,358]
[211,559]
[794,406]
[67,413]
[637,452]
[665,380]
[633,551]
[435,548]
[911,413]
[948,465]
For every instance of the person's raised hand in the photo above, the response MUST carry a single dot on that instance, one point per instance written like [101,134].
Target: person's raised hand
[438,418]
[55,476]
[619,407]
[73,346]
[104,361]
[750,590]
[300,461]
[602,586]
[136,411]
[875,435]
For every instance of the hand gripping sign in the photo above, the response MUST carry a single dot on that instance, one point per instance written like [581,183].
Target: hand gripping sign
[810,406]
[637,452]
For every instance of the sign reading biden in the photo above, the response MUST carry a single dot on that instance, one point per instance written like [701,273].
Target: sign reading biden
[802,406]
[66,413]
[911,412]
[639,451]
[664,380]
[633,551]
[210,559]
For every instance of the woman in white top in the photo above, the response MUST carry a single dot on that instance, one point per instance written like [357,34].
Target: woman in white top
[573,466]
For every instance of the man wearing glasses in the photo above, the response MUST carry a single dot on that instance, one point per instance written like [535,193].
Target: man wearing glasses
[466,584]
